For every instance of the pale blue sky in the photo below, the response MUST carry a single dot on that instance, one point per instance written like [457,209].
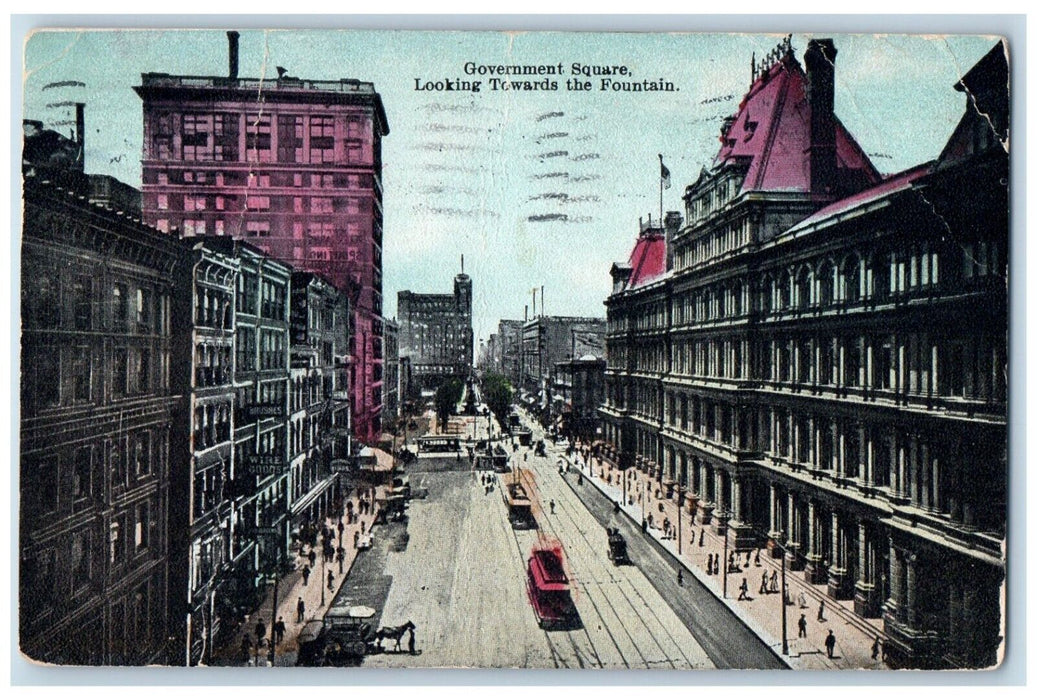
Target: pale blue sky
[464,172]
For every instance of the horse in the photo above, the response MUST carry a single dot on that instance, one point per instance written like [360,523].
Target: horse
[393,633]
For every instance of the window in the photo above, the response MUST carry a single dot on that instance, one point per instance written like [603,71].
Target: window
[322,139]
[144,309]
[321,205]
[120,306]
[257,203]
[257,137]
[162,202]
[354,152]
[81,373]
[48,376]
[143,370]
[196,137]
[257,228]
[116,543]
[79,562]
[119,372]
[83,472]
[142,529]
[289,141]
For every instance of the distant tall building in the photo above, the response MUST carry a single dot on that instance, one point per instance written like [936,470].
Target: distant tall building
[509,340]
[436,333]
[294,166]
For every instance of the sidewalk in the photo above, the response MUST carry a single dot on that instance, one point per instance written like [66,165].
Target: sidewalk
[291,588]
[761,612]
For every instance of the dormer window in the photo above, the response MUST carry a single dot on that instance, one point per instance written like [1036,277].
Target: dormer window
[750,129]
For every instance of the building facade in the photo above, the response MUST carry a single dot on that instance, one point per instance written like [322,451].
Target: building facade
[293,166]
[821,365]
[319,400]
[548,340]
[436,333]
[509,342]
[97,404]
[391,377]
[579,389]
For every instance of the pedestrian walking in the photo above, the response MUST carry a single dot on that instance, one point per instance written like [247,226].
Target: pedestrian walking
[802,600]
[306,574]
[774,582]
[246,648]
[743,590]
[313,558]
[410,643]
[680,577]
[331,580]
[756,561]
[709,565]
[300,610]
[341,558]
[341,529]
[702,535]
[746,565]
[763,584]
[363,527]
[821,612]
[875,647]
[260,632]
[803,625]
[830,643]
[279,630]
[552,507]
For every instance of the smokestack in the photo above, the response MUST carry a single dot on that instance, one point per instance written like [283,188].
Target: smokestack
[232,54]
[820,62]
[81,134]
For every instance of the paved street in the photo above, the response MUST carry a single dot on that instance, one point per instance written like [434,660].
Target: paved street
[461,581]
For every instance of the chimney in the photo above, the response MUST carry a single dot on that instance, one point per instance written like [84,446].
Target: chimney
[820,62]
[81,135]
[232,54]
[672,224]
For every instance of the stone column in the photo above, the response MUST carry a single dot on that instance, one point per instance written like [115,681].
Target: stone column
[775,532]
[839,587]
[815,570]
[707,494]
[723,507]
[793,553]
[865,594]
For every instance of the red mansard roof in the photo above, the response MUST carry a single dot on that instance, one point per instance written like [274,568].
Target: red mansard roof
[648,259]
[772,131]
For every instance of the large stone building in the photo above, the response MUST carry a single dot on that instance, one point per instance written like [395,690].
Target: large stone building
[97,405]
[548,340]
[509,349]
[817,358]
[436,333]
[391,378]
[293,166]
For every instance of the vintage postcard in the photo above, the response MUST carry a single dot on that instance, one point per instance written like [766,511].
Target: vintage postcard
[514,350]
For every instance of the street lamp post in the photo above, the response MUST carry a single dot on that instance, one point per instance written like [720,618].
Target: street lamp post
[680,504]
[725,560]
[273,614]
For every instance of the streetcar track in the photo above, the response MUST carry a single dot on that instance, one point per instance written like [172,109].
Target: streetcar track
[621,584]
[597,610]
[618,581]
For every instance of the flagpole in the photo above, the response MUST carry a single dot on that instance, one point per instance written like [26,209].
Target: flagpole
[660,189]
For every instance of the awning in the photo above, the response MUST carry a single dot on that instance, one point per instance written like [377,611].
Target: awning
[382,462]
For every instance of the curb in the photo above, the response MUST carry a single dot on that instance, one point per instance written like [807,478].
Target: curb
[707,583]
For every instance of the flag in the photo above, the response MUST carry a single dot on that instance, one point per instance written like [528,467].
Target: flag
[664,173]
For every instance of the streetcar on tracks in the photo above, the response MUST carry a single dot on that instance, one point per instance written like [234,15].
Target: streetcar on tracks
[617,547]
[548,588]
[520,508]
[438,444]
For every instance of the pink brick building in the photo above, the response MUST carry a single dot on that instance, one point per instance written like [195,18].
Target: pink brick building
[293,166]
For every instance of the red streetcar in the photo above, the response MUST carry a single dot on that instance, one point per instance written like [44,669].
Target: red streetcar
[548,588]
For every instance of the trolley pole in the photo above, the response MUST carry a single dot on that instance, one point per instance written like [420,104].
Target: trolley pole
[784,612]
[680,504]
